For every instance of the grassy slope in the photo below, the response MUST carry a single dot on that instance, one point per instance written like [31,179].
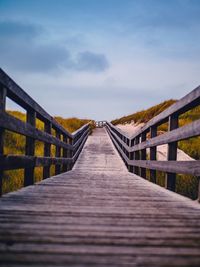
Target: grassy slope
[191,146]
[144,115]
[15,144]
[186,184]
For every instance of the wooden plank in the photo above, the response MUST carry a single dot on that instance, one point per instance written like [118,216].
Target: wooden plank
[143,154]
[98,214]
[186,103]
[3,93]
[47,150]
[13,124]
[170,178]
[75,156]
[80,130]
[58,154]
[182,133]
[12,162]
[153,133]
[65,154]
[181,167]
[136,155]
[30,149]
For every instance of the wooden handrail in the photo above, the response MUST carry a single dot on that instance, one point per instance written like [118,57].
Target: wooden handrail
[132,148]
[71,144]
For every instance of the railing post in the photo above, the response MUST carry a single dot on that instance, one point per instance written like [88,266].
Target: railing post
[131,155]
[58,154]
[127,152]
[143,154]
[70,153]
[170,178]
[136,156]
[30,148]
[3,93]
[47,150]
[65,166]
[153,133]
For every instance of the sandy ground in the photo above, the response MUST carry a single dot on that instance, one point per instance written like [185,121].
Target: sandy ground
[131,128]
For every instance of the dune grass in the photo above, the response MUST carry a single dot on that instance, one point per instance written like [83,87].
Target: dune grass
[15,144]
[186,185]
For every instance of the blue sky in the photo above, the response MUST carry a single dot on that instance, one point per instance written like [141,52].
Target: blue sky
[101,59]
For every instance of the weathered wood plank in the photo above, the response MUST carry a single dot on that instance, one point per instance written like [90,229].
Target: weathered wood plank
[98,214]
[3,93]
[170,177]
[184,132]
[186,103]
[184,167]
[12,162]
[181,167]
[47,150]
[13,124]
[30,149]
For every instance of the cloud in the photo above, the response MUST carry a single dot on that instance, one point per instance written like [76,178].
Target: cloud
[17,30]
[88,61]
[23,47]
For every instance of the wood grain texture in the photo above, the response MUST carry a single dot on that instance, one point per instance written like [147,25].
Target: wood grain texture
[98,214]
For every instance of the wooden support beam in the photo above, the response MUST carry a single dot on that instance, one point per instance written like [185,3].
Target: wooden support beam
[65,153]
[136,155]
[153,133]
[131,155]
[170,178]
[3,93]
[70,153]
[58,154]
[30,148]
[47,149]
[143,154]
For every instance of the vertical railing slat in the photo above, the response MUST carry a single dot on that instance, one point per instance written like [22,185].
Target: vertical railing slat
[65,154]
[143,154]
[136,155]
[30,148]
[58,154]
[153,133]
[3,93]
[170,178]
[47,150]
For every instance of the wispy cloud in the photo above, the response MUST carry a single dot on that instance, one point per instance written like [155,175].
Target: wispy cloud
[126,54]
[88,61]
[23,49]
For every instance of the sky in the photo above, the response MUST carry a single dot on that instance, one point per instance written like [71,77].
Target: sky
[101,59]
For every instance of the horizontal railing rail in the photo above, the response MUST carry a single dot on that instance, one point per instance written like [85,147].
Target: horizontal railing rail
[133,148]
[67,146]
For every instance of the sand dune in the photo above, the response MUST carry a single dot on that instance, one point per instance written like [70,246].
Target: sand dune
[131,128]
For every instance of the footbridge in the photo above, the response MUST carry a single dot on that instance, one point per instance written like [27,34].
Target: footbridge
[102,206]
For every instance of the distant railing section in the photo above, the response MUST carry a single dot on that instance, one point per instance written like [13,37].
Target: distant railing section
[100,124]
[67,146]
[133,148]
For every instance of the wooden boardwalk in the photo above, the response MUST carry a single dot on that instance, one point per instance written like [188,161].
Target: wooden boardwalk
[98,214]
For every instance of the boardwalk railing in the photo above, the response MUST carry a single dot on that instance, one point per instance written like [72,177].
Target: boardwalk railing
[67,146]
[133,148]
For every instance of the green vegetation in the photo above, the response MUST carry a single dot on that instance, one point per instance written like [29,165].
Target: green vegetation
[15,144]
[144,115]
[186,184]
[71,124]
